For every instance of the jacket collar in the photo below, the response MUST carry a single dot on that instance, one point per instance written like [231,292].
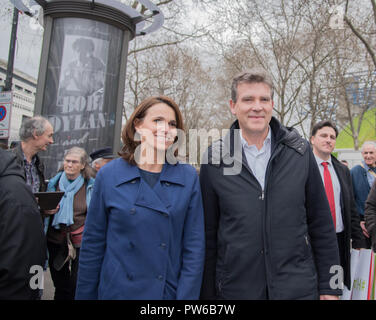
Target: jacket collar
[280,135]
[229,148]
[170,173]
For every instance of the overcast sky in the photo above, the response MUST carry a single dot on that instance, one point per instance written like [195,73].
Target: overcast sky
[29,41]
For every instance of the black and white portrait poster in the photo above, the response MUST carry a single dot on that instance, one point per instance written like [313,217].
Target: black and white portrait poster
[83,67]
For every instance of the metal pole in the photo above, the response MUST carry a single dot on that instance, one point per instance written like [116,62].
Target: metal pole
[12,50]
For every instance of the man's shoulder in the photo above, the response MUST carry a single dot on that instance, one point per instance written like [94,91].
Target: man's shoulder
[337,163]
[294,140]
[17,151]
[342,171]
[357,169]
[214,153]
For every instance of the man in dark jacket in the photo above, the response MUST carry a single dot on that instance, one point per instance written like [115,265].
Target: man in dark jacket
[36,134]
[344,213]
[268,227]
[363,176]
[22,241]
[370,215]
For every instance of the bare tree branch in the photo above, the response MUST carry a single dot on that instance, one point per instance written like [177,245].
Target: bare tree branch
[358,32]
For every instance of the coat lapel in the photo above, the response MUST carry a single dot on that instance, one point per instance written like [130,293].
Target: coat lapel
[148,198]
[157,198]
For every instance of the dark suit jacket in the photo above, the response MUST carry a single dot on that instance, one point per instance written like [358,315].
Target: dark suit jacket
[370,215]
[350,217]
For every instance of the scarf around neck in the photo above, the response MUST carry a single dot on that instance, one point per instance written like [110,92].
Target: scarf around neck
[65,213]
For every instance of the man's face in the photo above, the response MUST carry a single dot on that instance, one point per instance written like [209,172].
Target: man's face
[369,155]
[324,141]
[99,164]
[253,108]
[41,142]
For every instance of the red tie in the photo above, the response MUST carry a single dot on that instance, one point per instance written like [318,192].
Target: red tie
[329,191]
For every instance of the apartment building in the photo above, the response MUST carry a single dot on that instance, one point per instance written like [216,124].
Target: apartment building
[24,90]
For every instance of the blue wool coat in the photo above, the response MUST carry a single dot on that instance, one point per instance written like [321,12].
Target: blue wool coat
[361,188]
[136,237]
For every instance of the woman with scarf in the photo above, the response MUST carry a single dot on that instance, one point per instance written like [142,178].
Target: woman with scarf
[65,228]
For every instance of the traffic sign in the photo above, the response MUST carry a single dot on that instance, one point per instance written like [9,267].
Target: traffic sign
[5,112]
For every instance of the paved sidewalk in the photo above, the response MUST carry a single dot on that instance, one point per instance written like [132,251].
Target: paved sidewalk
[49,289]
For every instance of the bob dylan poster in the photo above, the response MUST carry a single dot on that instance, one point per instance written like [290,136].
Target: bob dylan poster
[80,115]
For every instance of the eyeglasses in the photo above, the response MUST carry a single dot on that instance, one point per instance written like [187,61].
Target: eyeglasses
[72,161]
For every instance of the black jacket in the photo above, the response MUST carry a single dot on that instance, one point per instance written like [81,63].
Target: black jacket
[350,217]
[38,163]
[370,215]
[22,240]
[280,238]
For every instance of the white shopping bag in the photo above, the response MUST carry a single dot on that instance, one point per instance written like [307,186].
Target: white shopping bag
[363,278]
[346,295]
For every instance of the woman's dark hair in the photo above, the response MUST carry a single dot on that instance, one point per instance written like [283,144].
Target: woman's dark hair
[128,133]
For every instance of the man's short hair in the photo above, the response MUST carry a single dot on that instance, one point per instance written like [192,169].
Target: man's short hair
[322,124]
[35,124]
[255,75]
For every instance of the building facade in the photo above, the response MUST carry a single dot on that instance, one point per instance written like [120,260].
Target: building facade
[24,90]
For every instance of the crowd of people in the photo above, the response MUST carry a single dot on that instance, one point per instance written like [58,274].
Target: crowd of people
[268,216]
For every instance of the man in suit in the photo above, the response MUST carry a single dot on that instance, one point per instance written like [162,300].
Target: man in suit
[338,186]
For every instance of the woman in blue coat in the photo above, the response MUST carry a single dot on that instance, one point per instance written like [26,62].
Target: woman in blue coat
[144,233]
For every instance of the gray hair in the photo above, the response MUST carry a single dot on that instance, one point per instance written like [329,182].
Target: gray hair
[94,162]
[35,124]
[255,75]
[87,172]
[369,143]
[84,158]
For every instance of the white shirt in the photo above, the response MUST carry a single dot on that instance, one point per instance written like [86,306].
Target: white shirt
[258,159]
[336,190]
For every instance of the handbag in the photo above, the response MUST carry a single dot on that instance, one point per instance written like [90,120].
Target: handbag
[363,285]
[66,253]
[354,259]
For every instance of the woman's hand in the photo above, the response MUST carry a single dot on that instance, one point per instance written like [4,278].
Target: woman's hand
[52,211]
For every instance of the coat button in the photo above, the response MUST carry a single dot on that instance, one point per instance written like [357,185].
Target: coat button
[167,184]
[133,211]
[163,245]
[160,277]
